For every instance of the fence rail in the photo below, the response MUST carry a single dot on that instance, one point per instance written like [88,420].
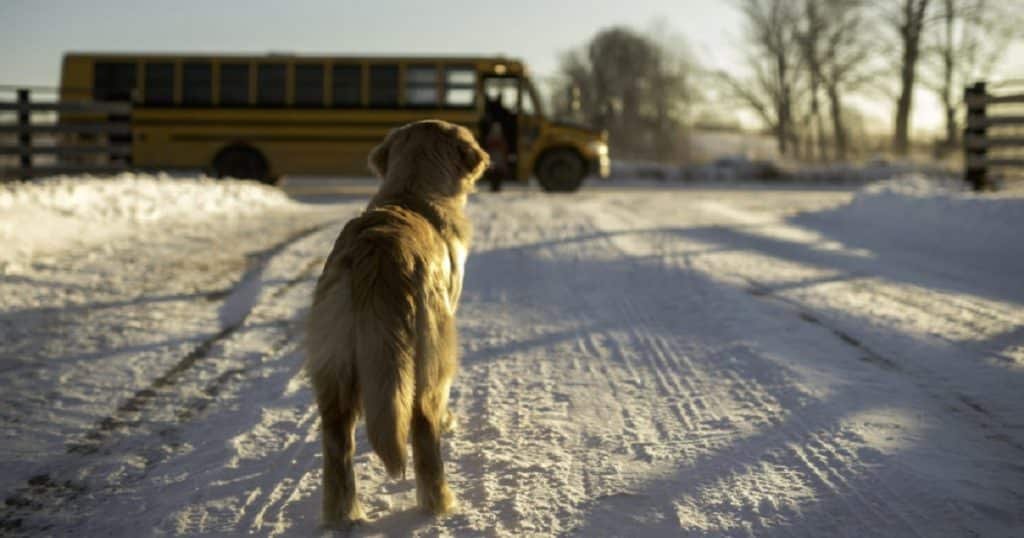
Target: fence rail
[100,149]
[98,107]
[983,142]
[67,128]
[106,127]
[975,99]
[978,140]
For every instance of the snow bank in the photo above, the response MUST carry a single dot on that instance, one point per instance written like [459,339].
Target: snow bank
[738,168]
[937,213]
[52,214]
[139,197]
[877,170]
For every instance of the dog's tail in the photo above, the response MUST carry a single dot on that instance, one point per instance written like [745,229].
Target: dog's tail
[384,299]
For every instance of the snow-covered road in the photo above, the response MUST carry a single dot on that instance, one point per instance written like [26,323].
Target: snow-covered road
[635,362]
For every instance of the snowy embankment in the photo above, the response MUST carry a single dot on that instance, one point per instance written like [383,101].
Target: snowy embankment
[977,236]
[941,214]
[51,215]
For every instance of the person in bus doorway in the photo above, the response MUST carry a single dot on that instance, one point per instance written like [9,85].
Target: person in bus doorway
[496,147]
[495,135]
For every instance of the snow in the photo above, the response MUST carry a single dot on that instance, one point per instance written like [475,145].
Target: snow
[976,236]
[641,360]
[50,214]
[739,168]
[938,213]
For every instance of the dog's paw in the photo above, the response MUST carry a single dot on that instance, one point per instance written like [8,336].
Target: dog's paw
[438,502]
[340,528]
[354,518]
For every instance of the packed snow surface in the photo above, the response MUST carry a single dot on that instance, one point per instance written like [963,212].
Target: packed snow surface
[637,360]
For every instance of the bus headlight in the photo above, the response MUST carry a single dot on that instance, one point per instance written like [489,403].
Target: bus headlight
[597,147]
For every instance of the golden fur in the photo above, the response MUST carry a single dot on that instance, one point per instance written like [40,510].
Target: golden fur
[381,337]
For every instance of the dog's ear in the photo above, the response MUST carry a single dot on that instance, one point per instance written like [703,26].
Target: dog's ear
[474,159]
[378,160]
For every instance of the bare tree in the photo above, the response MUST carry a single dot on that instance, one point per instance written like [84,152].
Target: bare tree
[809,35]
[836,49]
[775,61]
[965,45]
[632,85]
[568,100]
[909,23]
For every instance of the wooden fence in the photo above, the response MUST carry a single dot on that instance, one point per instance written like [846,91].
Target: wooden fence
[979,140]
[80,136]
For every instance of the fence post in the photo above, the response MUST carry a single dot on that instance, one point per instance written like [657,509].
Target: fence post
[976,173]
[24,135]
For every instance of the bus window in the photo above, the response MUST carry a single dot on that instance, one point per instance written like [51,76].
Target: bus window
[113,81]
[526,104]
[234,84]
[460,87]
[159,84]
[270,84]
[384,86]
[503,91]
[421,86]
[196,84]
[348,85]
[309,85]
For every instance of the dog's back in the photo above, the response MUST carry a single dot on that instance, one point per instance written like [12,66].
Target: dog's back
[380,281]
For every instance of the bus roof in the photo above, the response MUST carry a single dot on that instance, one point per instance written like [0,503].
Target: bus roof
[272,55]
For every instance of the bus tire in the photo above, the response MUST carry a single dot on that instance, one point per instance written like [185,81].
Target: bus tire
[242,162]
[561,170]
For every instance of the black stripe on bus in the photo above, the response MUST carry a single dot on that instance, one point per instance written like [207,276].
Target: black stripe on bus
[388,124]
[274,138]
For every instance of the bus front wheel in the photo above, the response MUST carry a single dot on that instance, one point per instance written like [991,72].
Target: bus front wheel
[561,170]
[241,162]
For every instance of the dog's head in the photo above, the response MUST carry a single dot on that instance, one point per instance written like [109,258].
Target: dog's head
[431,157]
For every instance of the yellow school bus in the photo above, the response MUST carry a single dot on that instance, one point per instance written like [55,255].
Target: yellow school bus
[266,116]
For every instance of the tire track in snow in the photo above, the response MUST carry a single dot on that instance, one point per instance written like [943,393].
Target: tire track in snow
[268,510]
[673,373]
[166,394]
[966,328]
[815,456]
[937,388]
[970,316]
[240,301]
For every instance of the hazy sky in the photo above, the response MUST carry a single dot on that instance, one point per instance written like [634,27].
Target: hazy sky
[35,33]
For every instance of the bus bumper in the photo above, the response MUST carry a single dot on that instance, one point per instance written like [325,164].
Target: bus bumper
[600,166]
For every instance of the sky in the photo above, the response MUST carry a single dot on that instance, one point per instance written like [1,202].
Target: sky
[35,33]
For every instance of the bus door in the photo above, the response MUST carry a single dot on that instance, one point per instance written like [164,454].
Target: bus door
[530,123]
[501,118]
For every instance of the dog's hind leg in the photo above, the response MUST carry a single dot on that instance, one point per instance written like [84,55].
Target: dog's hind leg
[338,412]
[431,486]
[436,361]
[449,423]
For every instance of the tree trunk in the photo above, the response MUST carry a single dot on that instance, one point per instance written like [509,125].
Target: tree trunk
[819,128]
[785,107]
[910,34]
[838,128]
[952,130]
[781,138]
[901,138]
[809,45]
[948,99]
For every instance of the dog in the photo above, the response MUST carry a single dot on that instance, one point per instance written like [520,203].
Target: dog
[381,337]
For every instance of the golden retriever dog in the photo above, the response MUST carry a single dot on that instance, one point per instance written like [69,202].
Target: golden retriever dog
[381,338]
